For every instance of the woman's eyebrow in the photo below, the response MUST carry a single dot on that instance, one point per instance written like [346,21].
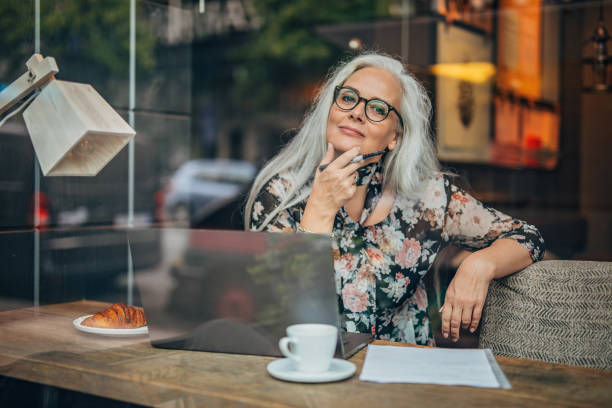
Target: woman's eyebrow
[349,87]
[358,93]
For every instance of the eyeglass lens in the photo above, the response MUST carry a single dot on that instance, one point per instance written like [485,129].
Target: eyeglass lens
[375,109]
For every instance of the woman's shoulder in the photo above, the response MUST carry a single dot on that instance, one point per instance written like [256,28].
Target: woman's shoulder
[433,193]
[437,180]
[279,184]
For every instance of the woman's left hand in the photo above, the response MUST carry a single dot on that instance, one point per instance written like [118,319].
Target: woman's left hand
[466,295]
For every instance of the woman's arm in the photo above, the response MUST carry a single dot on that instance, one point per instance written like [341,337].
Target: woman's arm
[504,245]
[466,294]
[267,201]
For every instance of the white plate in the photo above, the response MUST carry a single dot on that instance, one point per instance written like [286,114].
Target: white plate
[284,369]
[139,331]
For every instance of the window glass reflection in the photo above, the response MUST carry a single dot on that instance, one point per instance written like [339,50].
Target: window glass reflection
[518,114]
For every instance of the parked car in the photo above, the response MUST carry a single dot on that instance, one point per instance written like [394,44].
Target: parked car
[202,187]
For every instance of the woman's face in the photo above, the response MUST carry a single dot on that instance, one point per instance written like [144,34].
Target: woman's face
[347,129]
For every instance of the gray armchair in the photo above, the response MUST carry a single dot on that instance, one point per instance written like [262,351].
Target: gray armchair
[555,311]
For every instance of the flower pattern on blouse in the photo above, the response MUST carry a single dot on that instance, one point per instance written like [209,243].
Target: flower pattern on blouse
[379,268]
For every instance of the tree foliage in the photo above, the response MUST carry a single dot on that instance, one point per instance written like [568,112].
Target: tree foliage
[95,32]
[286,49]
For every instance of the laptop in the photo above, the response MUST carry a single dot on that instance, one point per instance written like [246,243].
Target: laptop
[237,291]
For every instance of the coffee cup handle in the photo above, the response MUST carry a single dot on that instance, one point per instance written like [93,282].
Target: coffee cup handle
[283,344]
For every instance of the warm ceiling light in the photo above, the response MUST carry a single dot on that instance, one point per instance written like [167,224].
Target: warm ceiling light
[477,72]
[75,132]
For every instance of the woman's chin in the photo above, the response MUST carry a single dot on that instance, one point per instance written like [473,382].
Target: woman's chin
[344,145]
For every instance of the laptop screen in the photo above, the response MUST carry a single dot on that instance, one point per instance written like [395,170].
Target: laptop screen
[233,291]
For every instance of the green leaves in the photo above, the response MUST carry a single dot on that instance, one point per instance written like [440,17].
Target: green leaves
[91,31]
[289,48]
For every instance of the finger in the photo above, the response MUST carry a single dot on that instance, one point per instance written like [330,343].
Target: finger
[455,323]
[344,191]
[345,158]
[329,155]
[446,317]
[345,184]
[359,164]
[348,187]
[350,169]
[351,190]
[476,315]
[466,317]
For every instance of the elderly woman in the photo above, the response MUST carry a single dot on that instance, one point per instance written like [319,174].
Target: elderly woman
[388,215]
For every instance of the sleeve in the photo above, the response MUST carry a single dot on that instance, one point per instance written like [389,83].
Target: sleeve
[266,202]
[472,225]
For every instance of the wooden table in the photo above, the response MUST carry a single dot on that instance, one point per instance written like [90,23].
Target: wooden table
[41,345]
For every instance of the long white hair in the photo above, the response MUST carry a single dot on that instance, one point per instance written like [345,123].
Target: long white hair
[406,168]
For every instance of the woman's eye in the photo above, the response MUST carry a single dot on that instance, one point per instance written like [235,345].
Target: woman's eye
[379,109]
[348,98]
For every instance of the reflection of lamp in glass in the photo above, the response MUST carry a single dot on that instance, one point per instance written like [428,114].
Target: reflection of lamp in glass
[598,66]
[75,132]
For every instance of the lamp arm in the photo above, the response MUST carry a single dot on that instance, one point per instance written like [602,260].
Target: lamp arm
[40,71]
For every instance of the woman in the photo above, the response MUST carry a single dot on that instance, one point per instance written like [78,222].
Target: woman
[388,215]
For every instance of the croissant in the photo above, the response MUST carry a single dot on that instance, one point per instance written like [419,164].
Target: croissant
[118,316]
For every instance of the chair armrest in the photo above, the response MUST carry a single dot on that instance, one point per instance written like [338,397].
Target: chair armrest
[555,311]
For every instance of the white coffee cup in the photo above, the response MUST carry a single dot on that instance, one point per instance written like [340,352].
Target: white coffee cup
[310,346]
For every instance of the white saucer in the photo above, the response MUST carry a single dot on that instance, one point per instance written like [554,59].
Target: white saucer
[139,331]
[284,369]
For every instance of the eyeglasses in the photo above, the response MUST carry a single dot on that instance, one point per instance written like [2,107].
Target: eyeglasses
[376,110]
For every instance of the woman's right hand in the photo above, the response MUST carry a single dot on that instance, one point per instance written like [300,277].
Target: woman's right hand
[335,185]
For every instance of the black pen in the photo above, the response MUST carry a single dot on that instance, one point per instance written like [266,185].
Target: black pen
[356,159]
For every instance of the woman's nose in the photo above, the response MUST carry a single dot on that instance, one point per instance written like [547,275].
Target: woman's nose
[358,112]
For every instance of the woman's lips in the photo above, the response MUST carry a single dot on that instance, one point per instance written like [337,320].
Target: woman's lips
[350,131]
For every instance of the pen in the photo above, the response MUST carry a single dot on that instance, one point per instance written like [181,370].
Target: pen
[356,159]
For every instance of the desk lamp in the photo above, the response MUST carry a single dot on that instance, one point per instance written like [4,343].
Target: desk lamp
[74,131]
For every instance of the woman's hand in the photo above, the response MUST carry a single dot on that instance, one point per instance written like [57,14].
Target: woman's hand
[331,189]
[466,295]
[335,185]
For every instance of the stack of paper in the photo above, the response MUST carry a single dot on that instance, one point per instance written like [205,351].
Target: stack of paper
[472,367]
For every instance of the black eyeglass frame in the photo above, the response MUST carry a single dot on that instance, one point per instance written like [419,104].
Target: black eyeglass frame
[360,98]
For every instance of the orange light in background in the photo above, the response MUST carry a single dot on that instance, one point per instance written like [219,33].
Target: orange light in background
[476,72]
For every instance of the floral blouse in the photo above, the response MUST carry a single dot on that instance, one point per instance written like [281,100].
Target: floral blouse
[379,268]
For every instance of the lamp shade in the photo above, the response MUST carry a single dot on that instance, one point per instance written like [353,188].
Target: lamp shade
[75,132]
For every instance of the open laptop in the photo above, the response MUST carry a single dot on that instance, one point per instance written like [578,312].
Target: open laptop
[237,291]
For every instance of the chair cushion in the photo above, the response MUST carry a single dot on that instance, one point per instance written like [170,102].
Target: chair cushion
[555,311]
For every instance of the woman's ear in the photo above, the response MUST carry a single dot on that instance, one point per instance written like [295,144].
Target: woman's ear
[391,145]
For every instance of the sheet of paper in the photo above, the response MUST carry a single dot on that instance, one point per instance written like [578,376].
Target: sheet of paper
[471,367]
